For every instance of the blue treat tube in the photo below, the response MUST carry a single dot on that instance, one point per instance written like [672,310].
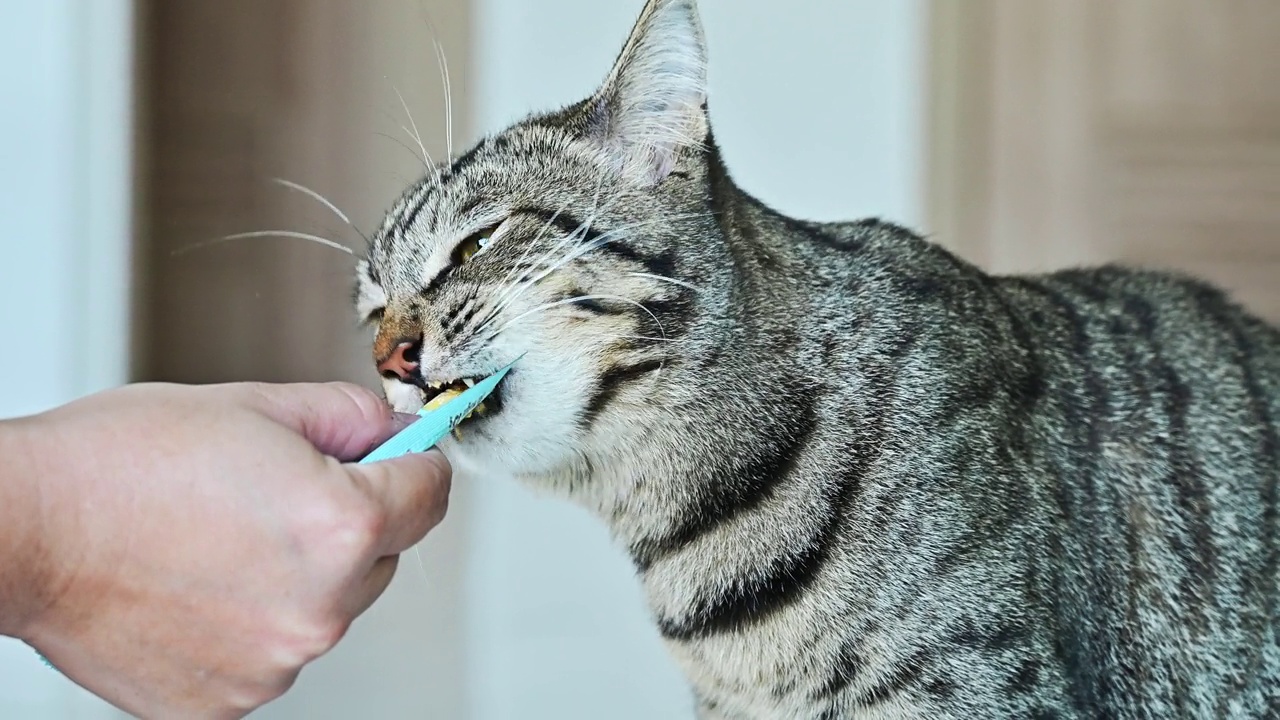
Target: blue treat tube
[435,424]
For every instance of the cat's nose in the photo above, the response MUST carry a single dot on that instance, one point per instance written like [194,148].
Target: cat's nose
[401,361]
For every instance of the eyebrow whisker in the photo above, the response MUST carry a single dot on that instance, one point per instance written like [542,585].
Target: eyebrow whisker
[299,187]
[266,234]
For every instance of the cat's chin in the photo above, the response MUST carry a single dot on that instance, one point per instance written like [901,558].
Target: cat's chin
[489,462]
[510,443]
[402,397]
[478,454]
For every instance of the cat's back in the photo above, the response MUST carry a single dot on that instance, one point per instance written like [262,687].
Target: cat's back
[1123,351]
[1145,408]
[1132,419]
[1159,438]
[1140,329]
[1138,340]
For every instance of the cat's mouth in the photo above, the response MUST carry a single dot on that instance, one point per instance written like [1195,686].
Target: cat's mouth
[437,394]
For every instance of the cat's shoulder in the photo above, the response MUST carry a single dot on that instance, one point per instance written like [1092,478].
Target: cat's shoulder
[857,234]
[1112,284]
[1166,298]
[875,238]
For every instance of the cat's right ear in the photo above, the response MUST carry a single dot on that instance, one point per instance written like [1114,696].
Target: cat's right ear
[652,106]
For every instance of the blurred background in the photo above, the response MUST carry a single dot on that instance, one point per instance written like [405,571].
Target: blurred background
[1024,134]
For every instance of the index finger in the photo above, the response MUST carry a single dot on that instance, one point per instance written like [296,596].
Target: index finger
[412,493]
[342,420]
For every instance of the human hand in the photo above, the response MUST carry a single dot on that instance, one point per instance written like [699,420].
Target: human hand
[197,546]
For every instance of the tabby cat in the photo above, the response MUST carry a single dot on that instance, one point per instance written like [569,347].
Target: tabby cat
[859,477]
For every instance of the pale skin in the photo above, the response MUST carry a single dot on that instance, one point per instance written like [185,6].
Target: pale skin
[186,551]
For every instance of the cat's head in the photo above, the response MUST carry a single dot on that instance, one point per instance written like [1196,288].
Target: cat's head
[579,238]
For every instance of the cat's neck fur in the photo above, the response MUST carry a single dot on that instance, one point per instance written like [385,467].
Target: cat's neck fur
[736,388]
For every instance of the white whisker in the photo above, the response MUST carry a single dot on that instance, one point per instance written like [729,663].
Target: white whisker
[584,228]
[268,233]
[641,337]
[421,565]
[417,136]
[664,278]
[322,200]
[506,295]
[446,82]
[514,292]
[397,141]
[578,298]
[427,160]
[599,242]
[506,285]
[530,245]
[578,248]
[314,195]
[573,254]
[517,289]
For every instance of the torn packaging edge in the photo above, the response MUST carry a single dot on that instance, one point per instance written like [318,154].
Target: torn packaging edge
[434,425]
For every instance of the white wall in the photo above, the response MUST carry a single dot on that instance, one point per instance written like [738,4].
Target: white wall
[64,179]
[817,106]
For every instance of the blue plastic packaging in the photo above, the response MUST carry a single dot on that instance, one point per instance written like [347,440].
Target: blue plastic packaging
[434,425]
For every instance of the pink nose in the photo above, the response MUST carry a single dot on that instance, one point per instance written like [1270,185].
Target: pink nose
[398,364]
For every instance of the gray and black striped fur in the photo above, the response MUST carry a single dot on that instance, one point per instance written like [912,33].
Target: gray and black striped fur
[859,477]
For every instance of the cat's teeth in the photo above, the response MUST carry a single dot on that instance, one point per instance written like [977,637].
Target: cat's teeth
[469,382]
[435,385]
[441,399]
[457,433]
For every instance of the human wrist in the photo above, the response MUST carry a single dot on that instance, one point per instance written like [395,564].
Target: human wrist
[24,554]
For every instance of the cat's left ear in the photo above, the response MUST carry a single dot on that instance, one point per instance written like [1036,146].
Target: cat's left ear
[652,106]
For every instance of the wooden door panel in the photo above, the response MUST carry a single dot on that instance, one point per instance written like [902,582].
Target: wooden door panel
[1212,63]
[1070,132]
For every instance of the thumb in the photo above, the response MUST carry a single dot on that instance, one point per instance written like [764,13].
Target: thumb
[412,494]
[341,420]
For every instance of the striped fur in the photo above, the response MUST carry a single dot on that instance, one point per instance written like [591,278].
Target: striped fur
[859,477]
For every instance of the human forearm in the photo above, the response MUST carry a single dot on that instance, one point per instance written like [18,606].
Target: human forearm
[22,590]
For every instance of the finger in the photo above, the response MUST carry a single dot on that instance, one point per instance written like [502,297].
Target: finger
[341,420]
[375,583]
[413,494]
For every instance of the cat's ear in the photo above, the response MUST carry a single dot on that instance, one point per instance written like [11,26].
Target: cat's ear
[652,106]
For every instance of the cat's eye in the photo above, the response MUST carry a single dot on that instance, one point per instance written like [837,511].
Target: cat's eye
[375,316]
[472,246]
